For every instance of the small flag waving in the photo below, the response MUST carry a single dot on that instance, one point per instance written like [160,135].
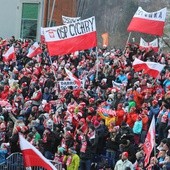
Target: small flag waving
[32,156]
[66,39]
[105,37]
[73,78]
[146,45]
[34,50]
[151,68]
[149,23]
[9,55]
[149,141]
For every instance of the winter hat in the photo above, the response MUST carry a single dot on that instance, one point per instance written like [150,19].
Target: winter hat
[154,102]
[90,109]
[2,118]
[125,154]
[24,84]
[72,150]
[91,100]
[82,120]
[88,118]
[61,150]
[96,124]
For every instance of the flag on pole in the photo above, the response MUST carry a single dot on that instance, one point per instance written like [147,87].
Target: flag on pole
[105,37]
[151,68]
[32,156]
[149,141]
[34,50]
[146,45]
[73,37]
[9,54]
[73,78]
[149,23]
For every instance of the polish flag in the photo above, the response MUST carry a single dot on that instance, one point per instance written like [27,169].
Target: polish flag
[66,39]
[9,54]
[32,156]
[147,45]
[151,68]
[149,23]
[149,141]
[34,50]
[73,78]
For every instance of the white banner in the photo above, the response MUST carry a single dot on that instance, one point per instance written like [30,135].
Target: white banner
[153,43]
[65,84]
[157,15]
[118,85]
[70,30]
[70,20]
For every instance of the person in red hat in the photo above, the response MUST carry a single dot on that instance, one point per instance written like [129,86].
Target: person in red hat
[4,93]
[124,163]
[82,125]
[131,117]
[120,114]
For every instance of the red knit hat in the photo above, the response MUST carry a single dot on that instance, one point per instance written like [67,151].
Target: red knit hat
[154,102]
[96,124]
[125,154]
[91,109]
[88,118]
[91,100]
[82,120]
[24,84]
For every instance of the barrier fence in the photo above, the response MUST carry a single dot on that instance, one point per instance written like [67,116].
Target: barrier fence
[15,162]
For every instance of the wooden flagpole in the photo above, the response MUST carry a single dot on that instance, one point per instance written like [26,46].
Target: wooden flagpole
[51,65]
[127,42]
[97,67]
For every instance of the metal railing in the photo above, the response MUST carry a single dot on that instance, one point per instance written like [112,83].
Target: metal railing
[15,162]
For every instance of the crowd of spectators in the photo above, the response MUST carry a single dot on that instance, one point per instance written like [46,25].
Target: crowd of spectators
[107,119]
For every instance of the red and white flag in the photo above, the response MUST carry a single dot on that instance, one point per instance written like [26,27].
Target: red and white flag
[32,156]
[147,45]
[34,50]
[149,23]
[151,68]
[73,37]
[149,141]
[73,77]
[9,54]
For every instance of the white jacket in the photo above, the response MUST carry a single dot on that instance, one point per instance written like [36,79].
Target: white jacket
[122,165]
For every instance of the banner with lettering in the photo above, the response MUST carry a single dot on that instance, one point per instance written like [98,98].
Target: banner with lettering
[147,45]
[148,22]
[69,38]
[70,20]
[66,84]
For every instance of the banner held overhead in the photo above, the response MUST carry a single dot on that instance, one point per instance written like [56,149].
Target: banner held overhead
[69,38]
[148,23]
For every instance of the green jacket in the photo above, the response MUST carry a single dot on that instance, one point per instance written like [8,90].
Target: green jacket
[75,161]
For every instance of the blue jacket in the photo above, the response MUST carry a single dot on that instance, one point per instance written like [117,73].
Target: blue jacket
[137,127]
